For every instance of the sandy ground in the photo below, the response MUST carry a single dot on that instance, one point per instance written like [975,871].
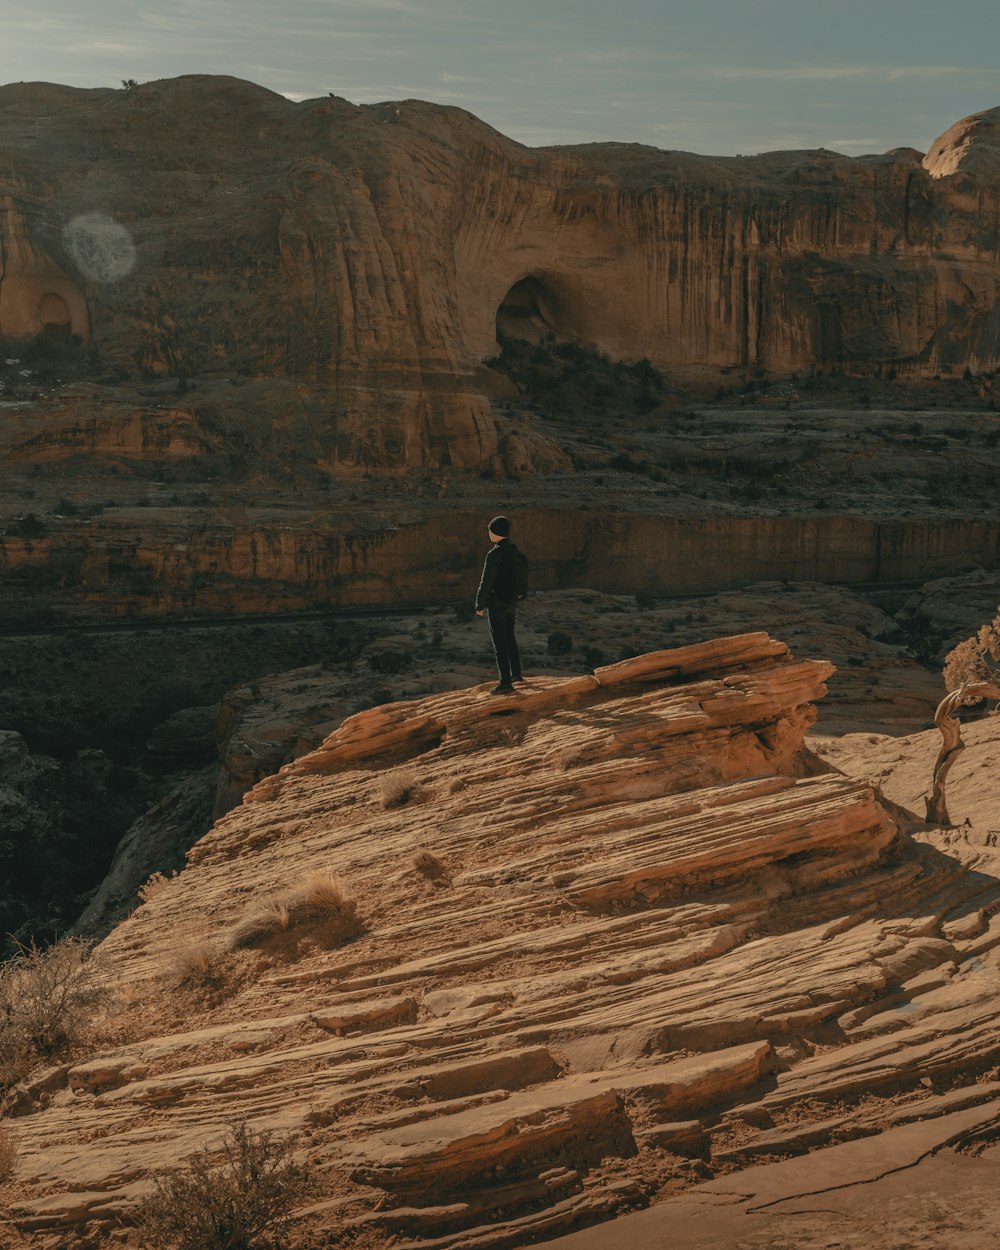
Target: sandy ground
[943,1202]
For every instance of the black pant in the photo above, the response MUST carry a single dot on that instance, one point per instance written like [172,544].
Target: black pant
[501,619]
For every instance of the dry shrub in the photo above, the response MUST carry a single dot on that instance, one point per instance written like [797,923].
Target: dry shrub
[396,789]
[237,1199]
[48,998]
[977,659]
[8,1153]
[428,865]
[278,915]
[156,884]
[194,962]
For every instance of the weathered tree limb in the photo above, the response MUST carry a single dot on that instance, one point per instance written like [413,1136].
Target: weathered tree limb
[952,745]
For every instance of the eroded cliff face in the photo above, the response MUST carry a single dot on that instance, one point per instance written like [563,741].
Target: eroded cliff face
[264,565]
[205,225]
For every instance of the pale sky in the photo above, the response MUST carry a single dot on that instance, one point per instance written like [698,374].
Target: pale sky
[711,76]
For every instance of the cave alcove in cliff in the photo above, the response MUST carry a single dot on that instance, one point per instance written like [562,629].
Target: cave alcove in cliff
[532,311]
[54,318]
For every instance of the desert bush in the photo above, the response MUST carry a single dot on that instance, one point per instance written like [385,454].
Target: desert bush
[155,884]
[428,865]
[193,962]
[559,643]
[322,892]
[28,526]
[273,916]
[47,998]
[625,463]
[397,788]
[977,659]
[8,1153]
[237,1199]
[388,657]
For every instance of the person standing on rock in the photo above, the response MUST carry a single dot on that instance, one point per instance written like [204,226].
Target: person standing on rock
[503,584]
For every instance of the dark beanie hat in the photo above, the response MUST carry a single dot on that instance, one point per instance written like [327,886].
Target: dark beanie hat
[500,526]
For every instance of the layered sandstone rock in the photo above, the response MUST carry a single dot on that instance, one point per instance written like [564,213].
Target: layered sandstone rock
[648,936]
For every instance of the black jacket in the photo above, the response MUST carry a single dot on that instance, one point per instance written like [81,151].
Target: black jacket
[497,587]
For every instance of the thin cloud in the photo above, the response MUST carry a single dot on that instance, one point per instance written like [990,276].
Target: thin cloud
[963,72]
[890,73]
[423,10]
[606,56]
[788,73]
[100,47]
[419,8]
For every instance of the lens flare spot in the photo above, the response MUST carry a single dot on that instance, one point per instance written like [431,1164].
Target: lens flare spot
[101,247]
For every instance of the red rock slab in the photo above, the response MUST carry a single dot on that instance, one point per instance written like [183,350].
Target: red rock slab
[567,1114]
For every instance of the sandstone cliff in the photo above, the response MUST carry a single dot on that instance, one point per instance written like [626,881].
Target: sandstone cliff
[205,225]
[136,564]
[649,939]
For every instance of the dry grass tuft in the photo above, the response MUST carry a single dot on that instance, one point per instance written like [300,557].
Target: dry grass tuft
[274,916]
[397,788]
[428,865]
[324,892]
[8,1153]
[156,884]
[322,903]
[278,915]
[194,962]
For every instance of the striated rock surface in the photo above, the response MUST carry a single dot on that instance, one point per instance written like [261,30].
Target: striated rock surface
[650,939]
